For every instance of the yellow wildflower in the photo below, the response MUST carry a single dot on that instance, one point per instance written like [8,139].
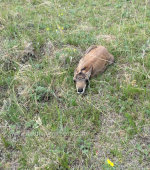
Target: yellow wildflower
[61,14]
[110,163]
[47,28]
[62,28]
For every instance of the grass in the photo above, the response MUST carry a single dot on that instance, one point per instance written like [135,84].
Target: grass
[44,124]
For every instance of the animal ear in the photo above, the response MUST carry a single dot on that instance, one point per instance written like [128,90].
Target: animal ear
[74,77]
[89,72]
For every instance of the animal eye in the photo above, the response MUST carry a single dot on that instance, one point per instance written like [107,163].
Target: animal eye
[87,81]
[83,68]
[74,81]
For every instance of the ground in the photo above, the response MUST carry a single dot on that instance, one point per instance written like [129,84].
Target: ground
[44,123]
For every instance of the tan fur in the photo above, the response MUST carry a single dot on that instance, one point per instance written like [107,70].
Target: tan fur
[98,58]
[95,61]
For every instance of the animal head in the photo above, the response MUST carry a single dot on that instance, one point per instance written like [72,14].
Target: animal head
[81,79]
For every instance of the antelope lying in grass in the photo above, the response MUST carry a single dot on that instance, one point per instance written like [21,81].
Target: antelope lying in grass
[95,61]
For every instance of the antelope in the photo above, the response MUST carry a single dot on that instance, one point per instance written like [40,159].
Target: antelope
[95,61]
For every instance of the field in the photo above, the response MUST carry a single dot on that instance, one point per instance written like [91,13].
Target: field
[44,123]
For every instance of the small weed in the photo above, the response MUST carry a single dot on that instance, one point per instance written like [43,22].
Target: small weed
[130,125]
[41,94]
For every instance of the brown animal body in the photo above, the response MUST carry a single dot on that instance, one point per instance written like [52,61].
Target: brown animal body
[95,61]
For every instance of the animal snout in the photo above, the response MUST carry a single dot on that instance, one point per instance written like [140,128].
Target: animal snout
[80,90]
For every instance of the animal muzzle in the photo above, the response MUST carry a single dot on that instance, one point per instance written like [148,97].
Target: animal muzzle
[80,90]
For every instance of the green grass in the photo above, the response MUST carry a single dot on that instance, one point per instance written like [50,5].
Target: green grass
[44,124]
